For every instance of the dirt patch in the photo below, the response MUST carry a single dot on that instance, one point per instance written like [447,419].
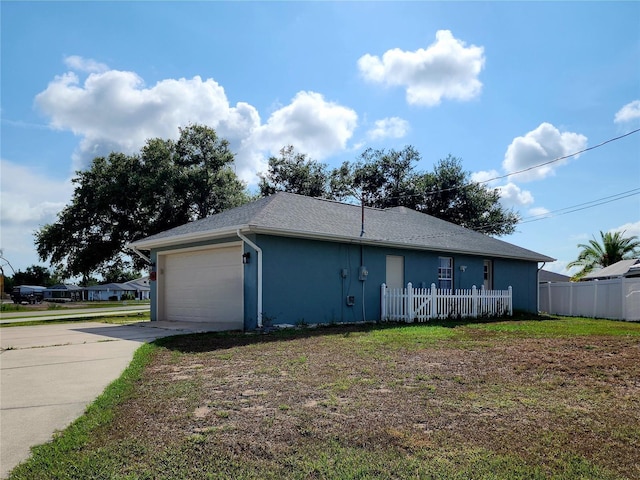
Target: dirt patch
[539,399]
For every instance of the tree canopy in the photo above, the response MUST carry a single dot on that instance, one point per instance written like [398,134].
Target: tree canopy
[386,179]
[35,275]
[122,198]
[295,173]
[612,248]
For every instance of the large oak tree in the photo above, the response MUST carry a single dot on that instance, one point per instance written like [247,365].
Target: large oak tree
[122,198]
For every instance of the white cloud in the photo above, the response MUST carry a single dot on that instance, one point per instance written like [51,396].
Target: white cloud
[561,267]
[28,200]
[445,69]
[391,127]
[629,112]
[629,229]
[544,144]
[80,64]
[22,204]
[310,123]
[485,176]
[512,196]
[115,110]
[538,211]
[538,146]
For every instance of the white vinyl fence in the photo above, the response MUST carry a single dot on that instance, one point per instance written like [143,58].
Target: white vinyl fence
[617,299]
[422,304]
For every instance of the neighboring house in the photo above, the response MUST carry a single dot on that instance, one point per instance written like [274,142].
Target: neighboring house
[137,289]
[63,293]
[545,276]
[110,291]
[141,286]
[289,259]
[623,268]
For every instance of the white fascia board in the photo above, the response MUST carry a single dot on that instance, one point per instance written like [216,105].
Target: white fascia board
[192,237]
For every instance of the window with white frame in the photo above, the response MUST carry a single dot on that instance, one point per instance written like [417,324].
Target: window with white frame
[445,273]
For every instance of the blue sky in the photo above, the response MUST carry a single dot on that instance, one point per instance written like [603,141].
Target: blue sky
[503,85]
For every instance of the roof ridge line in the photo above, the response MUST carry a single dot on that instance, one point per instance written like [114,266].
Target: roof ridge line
[330,200]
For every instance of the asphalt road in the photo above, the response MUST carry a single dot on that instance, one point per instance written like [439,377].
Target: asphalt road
[69,314]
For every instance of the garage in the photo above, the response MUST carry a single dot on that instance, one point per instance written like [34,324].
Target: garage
[202,285]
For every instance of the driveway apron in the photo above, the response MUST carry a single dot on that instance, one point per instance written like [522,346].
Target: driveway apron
[50,373]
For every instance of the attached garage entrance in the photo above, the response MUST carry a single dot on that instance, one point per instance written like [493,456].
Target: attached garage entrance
[202,285]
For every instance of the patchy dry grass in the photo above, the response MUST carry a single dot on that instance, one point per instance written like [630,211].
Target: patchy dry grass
[529,399]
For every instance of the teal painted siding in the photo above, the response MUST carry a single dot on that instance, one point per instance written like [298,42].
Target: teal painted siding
[523,278]
[303,282]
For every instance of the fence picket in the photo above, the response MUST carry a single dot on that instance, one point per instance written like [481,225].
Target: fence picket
[423,304]
[617,298]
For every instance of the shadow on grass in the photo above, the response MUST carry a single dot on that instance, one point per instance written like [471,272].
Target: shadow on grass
[207,342]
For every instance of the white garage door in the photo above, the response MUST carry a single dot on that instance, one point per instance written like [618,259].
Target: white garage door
[204,286]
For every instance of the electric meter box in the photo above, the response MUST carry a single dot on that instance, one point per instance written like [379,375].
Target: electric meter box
[363,273]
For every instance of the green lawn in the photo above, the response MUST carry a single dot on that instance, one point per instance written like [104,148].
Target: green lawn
[527,399]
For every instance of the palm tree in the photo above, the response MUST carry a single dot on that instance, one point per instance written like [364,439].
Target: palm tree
[614,248]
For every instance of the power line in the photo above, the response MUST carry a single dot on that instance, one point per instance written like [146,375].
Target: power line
[557,159]
[544,216]
[581,206]
[566,210]
[554,213]
[516,172]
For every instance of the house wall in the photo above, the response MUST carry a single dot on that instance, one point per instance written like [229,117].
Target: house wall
[523,277]
[302,281]
[104,295]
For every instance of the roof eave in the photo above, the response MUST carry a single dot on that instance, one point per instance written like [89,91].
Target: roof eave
[387,243]
[192,237]
[231,231]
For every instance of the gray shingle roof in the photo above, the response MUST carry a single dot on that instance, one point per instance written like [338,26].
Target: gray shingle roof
[618,269]
[546,276]
[64,287]
[299,216]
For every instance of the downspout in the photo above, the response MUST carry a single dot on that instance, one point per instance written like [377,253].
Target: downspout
[538,286]
[259,251]
[141,255]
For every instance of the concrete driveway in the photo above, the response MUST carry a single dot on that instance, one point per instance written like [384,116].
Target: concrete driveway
[50,373]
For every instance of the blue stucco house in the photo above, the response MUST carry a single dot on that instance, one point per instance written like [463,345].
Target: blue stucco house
[290,259]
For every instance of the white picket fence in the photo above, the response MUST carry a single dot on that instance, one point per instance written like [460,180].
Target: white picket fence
[423,304]
[618,298]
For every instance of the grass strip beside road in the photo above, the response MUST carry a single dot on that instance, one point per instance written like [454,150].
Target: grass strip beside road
[69,307]
[112,319]
[529,399]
